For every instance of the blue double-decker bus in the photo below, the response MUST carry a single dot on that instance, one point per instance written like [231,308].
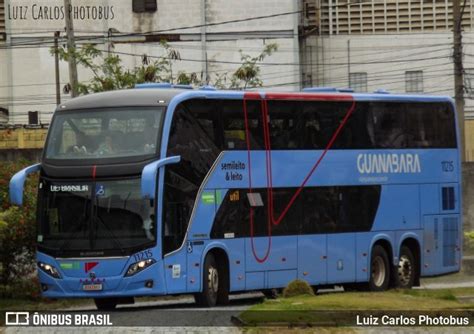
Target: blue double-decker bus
[164,190]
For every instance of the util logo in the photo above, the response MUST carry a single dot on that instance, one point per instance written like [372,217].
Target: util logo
[88,266]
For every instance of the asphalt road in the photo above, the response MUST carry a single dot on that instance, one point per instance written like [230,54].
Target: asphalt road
[179,311]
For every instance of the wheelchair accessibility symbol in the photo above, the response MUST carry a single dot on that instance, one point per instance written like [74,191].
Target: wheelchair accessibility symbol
[99,190]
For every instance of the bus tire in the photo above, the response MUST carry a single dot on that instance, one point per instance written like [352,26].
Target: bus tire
[270,293]
[405,272]
[379,269]
[210,283]
[105,304]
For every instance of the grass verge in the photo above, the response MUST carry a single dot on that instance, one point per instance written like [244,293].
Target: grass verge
[298,309]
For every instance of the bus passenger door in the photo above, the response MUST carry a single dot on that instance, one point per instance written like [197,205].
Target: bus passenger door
[175,259]
[175,271]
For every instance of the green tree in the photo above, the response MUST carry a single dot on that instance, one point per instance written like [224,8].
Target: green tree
[108,72]
[17,226]
[248,74]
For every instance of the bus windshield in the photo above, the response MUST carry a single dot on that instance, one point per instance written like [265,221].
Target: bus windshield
[104,133]
[106,216]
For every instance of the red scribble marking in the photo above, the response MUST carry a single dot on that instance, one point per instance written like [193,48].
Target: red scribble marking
[94,170]
[266,134]
[260,260]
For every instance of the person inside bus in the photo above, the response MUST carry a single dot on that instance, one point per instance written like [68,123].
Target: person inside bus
[80,146]
[106,147]
[391,133]
[312,132]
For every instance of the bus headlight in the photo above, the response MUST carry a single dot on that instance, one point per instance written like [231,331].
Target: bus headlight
[139,266]
[49,269]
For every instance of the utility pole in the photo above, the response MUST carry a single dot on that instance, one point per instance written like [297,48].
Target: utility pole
[56,68]
[205,69]
[459,71]
[71,48]
[349,63]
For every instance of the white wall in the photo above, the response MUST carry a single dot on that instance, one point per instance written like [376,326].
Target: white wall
[32,69]
[386,58]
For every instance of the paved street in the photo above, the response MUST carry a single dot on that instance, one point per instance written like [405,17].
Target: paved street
[180,311]
[181,315]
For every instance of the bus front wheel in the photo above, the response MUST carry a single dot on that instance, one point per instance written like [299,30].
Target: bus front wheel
[105,304]
[379,269]
[405,271]
[212,284]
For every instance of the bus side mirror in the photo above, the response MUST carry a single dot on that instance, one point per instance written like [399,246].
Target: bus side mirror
[17,183]
[149,173]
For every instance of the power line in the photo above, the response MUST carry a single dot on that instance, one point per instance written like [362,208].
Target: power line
[134,34]
[279,63]
[372,77]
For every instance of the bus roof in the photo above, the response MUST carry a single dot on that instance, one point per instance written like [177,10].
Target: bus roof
[161,96]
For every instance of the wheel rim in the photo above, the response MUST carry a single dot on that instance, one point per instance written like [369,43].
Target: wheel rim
[378,271]
[404,270]
[213,280]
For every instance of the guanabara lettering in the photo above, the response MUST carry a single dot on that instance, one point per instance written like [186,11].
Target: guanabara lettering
[388,163]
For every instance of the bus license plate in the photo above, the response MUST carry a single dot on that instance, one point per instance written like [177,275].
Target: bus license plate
[92,287]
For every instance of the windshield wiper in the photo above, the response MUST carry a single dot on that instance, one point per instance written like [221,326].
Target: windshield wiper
[66,244]
[114,238]
[109,230]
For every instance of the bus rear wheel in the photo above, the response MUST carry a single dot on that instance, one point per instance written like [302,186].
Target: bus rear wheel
[379,269]
[405,271]
[214,288]
[106,304]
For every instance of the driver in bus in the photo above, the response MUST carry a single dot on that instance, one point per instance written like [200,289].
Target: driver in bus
[106,147]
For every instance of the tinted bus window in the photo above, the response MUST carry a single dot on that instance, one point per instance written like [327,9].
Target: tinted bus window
[198,150]
[224,122]
[317,210]
[290,221]
[411,125]
[284,124]
[234,130]
[311,125]
[207,114]
[381,125]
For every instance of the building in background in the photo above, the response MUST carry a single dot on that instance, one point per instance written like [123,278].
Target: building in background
[208,34]
[402,46]
[3,70]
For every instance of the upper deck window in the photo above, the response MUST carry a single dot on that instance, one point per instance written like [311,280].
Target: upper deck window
[105,133]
